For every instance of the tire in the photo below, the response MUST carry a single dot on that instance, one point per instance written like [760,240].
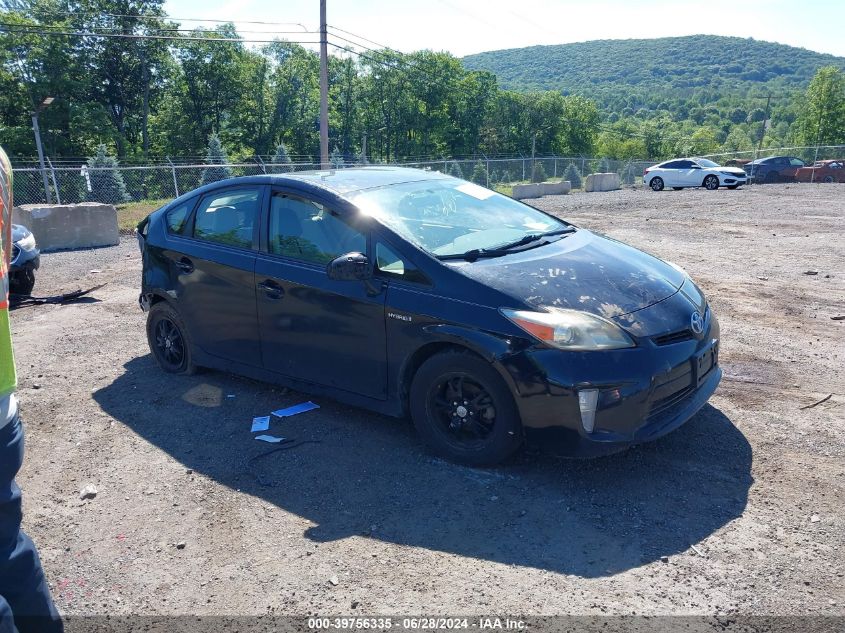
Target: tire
[168,340]
[677,188]
[22,282]
[711,182]
[828,179]
[464,410]
[771,177]
[656,183]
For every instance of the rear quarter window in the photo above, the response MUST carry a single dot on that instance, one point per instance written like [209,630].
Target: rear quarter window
[177,217]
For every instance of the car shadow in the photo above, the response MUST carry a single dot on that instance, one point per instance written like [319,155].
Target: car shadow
[352,472]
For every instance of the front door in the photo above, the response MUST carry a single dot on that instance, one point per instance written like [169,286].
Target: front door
[314,328]
[215,274]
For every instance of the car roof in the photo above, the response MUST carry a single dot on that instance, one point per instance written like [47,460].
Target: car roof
[337,181]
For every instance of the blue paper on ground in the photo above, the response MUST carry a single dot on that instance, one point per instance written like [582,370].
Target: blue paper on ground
[297,408]
[260,424]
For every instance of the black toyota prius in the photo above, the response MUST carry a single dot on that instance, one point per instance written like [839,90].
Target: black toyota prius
[413,293]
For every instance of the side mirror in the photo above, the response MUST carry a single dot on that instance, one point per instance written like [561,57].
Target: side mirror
[350,267]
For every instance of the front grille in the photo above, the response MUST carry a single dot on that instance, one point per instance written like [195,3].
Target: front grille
[674,337]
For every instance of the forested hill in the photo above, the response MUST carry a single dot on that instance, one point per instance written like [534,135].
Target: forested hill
[643,73]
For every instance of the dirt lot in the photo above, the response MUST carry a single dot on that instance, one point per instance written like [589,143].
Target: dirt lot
[740,511]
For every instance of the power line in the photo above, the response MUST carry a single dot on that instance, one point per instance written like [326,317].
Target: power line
[4,28]
[167,17]
[158,31]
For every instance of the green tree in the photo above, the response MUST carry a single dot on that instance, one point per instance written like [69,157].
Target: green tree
[336,158]
[573,176]
[281,159]
[603,166]
[479,174]
[455,170]
[107,183]
[822,121]
[216,156]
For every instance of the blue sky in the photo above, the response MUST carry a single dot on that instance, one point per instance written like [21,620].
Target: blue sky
[470,26]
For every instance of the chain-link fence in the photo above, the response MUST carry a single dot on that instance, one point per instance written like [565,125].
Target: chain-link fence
[72,183]
[68,182]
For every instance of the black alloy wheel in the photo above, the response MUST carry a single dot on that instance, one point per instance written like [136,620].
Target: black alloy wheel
[168,340]
[464,410]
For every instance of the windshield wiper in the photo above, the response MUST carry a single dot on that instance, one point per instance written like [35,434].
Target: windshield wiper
[504,249]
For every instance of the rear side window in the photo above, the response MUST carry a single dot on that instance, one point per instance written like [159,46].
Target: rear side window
[675,164]
[305,230]
[177,217]
[228,217]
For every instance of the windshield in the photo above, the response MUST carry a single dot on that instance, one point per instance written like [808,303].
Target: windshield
[707,164]
[449,216]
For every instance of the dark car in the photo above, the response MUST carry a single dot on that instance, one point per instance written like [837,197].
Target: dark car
[26,259]
[773,169]
[410,292]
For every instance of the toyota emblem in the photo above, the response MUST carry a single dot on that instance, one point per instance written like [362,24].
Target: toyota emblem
[696,323]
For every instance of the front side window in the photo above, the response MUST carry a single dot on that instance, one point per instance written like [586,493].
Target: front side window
[796,162]
[307,231]
[391,264]
[228,217]
[447,216]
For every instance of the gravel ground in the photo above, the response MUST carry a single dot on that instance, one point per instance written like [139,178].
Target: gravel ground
[738,512]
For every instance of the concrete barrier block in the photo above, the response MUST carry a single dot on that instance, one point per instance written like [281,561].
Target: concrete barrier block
[556,188]
[67,226]
[533,190]
[602,182]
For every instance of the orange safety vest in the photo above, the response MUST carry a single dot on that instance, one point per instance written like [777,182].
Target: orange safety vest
[7,361]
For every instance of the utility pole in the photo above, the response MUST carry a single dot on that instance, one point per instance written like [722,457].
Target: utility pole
[364,149]
[47,101]
[324,89]
[763,132]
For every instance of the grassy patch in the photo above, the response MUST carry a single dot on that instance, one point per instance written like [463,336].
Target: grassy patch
[129,214]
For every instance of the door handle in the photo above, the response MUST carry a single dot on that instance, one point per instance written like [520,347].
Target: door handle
[185,265]
[271,289]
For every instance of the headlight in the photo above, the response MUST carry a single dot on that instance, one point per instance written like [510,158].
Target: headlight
[27,243]
[570,329]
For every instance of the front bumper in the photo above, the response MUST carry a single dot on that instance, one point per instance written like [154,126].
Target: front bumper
[644,392]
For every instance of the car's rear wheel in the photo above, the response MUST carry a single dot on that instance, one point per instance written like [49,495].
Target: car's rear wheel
[771,177]
[168,340]
[829,179]
[22,282]
[711,183]
[656,184]
[464,410]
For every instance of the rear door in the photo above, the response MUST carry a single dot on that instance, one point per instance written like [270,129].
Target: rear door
[671,174]
[215,273]
[314,328]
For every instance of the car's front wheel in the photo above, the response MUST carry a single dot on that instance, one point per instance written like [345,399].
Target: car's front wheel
[711,183]
[463,409]
[22,282]
[656,184]
[168,340]
[829,179]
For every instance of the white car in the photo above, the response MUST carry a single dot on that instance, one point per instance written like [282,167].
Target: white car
[693,172]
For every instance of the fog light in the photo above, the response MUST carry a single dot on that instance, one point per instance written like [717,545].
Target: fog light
[587,401]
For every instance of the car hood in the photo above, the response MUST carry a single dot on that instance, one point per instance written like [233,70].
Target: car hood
[19,232]
[582,271]
[731,170]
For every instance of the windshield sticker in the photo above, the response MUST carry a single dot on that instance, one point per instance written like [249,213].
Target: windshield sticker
[475,191]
